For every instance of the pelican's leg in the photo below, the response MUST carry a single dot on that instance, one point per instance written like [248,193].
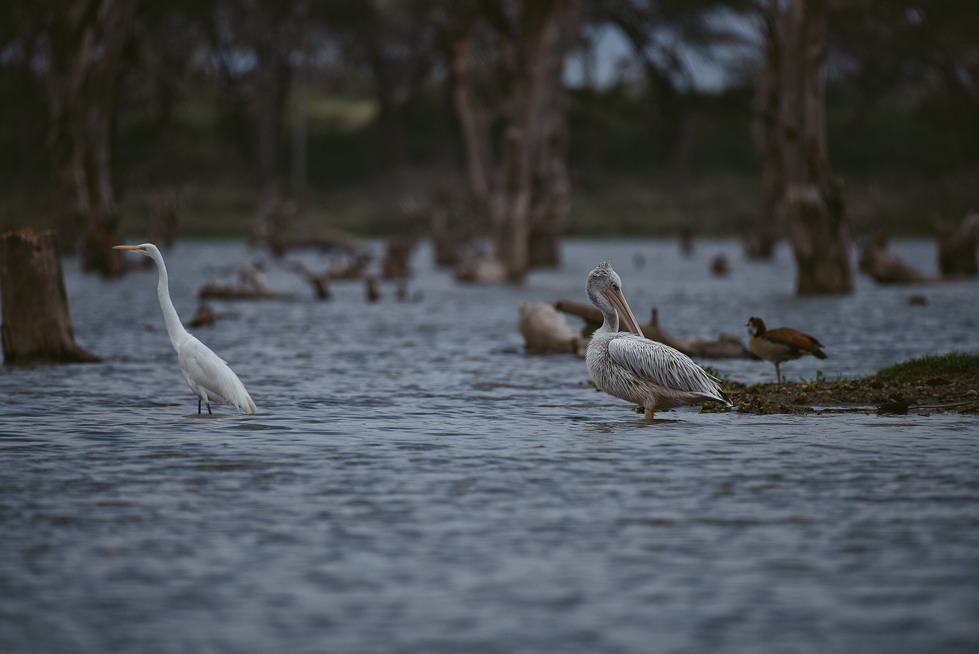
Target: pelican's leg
[649,414]
[778,374]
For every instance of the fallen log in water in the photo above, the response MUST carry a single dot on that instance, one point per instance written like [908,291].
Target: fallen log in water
[351,268]
[36,324]
[319,281]
[726,346]
[886,267]
[252,285]
[546,330]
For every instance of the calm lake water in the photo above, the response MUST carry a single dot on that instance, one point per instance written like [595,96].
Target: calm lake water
[414,483]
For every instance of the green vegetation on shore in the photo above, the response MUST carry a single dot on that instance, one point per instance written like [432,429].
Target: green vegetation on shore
[951,364]
[946,382]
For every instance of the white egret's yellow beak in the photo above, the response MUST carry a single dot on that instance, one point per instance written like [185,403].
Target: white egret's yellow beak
[127,247]
[625,312]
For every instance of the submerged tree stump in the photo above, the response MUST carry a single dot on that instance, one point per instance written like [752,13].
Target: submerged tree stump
[36,324]
[957,247]
[397,257]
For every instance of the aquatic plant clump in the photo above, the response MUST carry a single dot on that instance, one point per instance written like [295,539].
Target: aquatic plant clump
[947,382]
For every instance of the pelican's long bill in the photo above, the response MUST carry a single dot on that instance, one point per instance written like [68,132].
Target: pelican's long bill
[625,313]
[128,247]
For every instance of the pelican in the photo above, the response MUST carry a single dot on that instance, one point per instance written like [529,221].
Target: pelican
[207,374]
[634,368]
[780,344]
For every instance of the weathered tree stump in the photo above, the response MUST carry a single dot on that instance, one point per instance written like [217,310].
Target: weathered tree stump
[397,257]
[36,324]
[719,266]
[957,247]
[812,199]
[371,290]
[319,281]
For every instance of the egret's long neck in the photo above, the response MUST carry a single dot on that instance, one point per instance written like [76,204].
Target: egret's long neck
[175,329]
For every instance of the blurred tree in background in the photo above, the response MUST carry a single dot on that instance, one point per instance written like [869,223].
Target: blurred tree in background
[512,120]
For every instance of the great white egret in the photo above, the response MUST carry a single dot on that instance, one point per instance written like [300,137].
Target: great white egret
[780,344]
[207,374]
[634,368]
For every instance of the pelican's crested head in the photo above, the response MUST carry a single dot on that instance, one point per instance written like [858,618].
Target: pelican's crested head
[604,288]
[602,277]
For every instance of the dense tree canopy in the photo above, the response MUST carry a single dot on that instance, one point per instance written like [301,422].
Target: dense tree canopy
[401,116]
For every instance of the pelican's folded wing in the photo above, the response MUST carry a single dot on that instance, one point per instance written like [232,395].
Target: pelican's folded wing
[663,365]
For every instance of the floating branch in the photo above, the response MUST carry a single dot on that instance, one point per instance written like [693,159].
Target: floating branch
[252,285]
[319,281]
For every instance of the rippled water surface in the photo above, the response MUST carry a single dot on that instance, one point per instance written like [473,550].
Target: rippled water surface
[414,483]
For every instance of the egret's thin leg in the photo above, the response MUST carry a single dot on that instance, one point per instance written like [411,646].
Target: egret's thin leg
[208,408]
[198,406]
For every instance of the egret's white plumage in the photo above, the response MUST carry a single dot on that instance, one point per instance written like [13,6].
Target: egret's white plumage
[634,368]
[207,374]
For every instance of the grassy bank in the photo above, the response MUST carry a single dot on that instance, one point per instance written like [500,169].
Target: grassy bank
[947,382]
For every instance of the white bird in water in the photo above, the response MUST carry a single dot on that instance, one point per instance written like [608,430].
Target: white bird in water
[207,374]
[634,368]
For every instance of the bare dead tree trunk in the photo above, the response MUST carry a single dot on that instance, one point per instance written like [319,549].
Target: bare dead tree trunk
[271,33]
[475,116]
[765,123]
[552,182]
[477,97]
[36,324]
[266,97]
[812,200]
[88,43]
[537,82]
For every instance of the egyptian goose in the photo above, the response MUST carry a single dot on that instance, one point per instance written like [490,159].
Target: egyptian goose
[782,344]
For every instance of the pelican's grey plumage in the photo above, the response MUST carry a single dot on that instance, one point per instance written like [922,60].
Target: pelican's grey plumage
[634,368]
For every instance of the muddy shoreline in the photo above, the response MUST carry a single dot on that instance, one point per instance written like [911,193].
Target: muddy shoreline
[946,383]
